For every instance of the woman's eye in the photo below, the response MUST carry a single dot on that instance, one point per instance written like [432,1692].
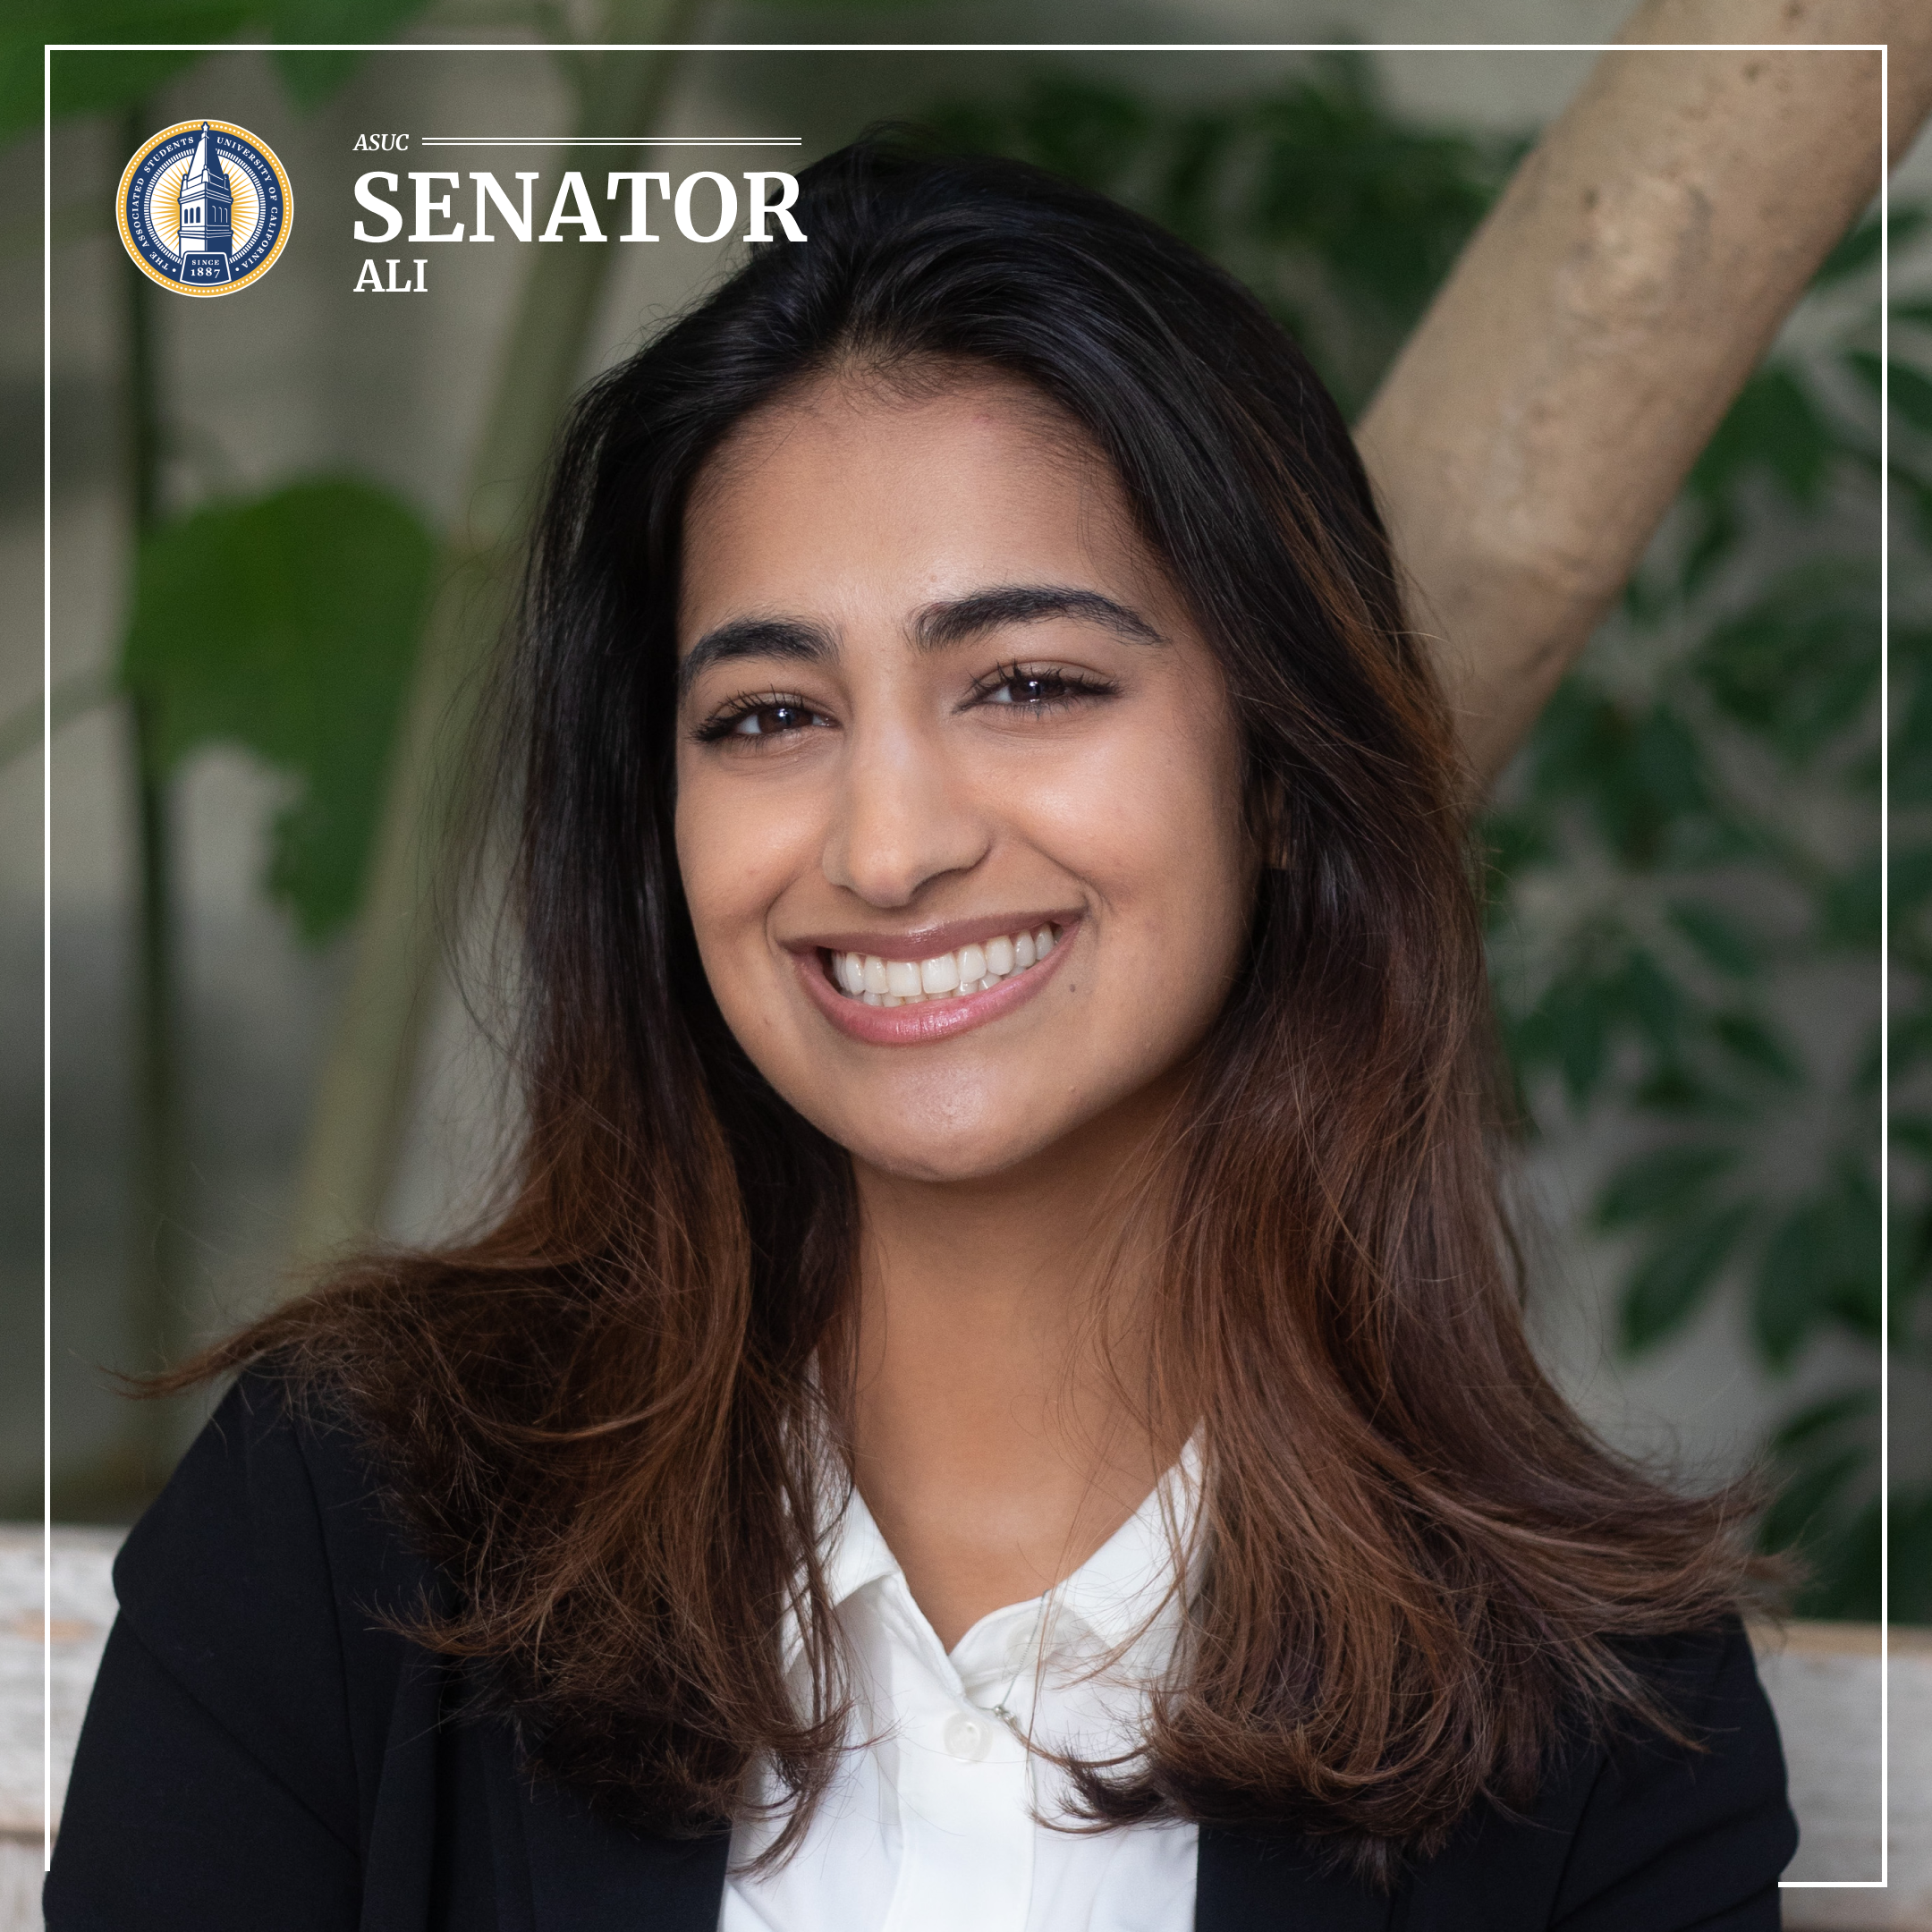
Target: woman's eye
[768,720]
[775,718]
[1037,690]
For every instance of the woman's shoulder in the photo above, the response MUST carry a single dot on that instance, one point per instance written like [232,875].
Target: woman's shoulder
[263,1746]
[1635,1828]
[1680,1822]
[273,1551]
[1702,1814]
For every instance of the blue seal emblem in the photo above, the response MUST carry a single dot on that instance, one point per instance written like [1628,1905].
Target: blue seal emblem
[203,208]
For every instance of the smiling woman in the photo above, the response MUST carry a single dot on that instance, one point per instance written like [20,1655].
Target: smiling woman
[999,729]
[997,1397]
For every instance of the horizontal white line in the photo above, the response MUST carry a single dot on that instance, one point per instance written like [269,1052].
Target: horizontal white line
[964,47]
[610,140]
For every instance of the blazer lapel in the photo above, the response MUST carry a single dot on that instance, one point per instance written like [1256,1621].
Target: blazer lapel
[580,1872]
[1260,1881]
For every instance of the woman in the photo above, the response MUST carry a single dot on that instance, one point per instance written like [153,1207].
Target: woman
[998,1399]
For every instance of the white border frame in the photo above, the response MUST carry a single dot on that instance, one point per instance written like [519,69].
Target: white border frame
[984,47]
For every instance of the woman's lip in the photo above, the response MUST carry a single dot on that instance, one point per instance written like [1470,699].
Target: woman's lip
[930,941]
[928,1020]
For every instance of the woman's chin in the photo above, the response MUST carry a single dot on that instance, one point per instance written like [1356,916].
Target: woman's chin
[943,1161]
[962,1154]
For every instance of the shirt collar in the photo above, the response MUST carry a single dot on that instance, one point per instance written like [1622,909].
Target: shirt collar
[1116,1594]
[1130,1583]
[855,1550]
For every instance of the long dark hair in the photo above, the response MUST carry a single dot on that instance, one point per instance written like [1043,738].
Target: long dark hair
[600,1416]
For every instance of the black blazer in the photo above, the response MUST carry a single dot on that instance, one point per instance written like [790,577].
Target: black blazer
[258,1758]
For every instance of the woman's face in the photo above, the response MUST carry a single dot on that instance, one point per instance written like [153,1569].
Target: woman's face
[942,715]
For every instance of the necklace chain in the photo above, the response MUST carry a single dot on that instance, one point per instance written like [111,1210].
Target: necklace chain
[1000,1709]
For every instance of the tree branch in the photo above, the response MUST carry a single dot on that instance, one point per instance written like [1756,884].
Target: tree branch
[1541,419]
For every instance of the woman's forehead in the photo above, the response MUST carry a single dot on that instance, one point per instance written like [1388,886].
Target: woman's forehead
[854,492]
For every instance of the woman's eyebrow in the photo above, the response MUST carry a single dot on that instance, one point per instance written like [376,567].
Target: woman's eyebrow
[958,619]
[756,636]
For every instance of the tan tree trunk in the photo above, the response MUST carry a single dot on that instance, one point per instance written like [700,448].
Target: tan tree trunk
[1539,421]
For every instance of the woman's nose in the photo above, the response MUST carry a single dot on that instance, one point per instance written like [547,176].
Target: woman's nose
[903,818]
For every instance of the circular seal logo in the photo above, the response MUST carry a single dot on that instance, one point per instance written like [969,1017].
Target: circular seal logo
[203,208]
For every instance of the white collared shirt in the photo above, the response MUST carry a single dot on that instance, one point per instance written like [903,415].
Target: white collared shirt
[931,1826]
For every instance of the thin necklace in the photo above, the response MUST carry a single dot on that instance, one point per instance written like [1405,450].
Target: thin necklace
[1000,1709]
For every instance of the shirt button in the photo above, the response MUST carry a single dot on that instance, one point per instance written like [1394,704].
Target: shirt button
[966,1737]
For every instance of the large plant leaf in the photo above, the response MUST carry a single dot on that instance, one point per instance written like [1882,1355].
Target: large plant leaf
[1669,1283]
[1803,663]
[287,626]
[1775,430]
[1662,1182]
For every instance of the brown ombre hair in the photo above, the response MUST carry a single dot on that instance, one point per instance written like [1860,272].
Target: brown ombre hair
[601,1418]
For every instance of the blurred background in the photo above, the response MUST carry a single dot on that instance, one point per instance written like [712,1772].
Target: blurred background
[262,505]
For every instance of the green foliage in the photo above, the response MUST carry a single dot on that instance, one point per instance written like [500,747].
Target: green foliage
[1738,856]
[287,625]
[1339,214]
[85,83]
[1685,897]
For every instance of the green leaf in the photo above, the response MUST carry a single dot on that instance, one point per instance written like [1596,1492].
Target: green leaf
[1807,1499]
[1802,665]
[1664,1290]
[287,625]
[1662,1182]
[1821,1266]
[1910,879]
[1652,1000]
[1579,1036]
[312,77]
[1912,1557]
[1671,1089]
[1817,1419]
[1859,250]
[1792,1293]
[1849,907]
[1912,733]
[1911,388]
[1774,429]
[1750,1038]
[1725,942]
[1912,1041]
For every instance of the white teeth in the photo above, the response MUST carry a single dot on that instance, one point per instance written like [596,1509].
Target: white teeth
[974,969]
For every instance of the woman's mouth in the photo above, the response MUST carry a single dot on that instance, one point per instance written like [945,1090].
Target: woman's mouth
[872,981]
[886,1002]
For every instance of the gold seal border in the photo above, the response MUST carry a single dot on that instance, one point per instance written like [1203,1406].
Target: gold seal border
[219,288]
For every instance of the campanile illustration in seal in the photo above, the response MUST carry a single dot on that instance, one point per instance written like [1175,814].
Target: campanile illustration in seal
[206,213]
